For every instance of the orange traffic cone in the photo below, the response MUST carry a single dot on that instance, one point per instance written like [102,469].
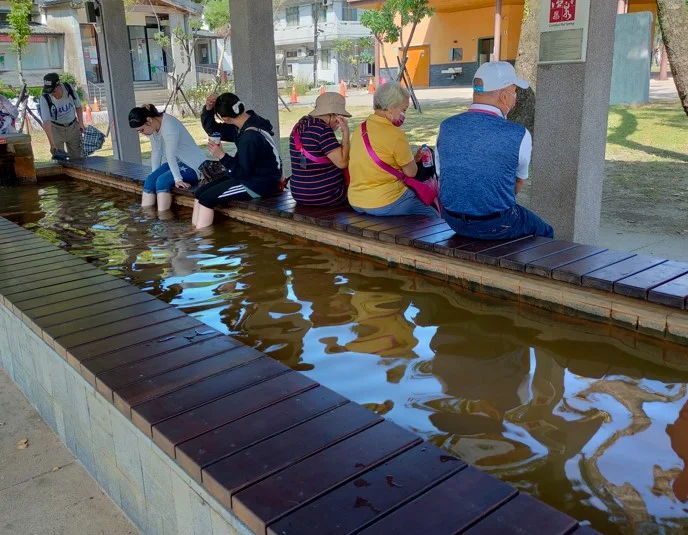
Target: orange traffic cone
[294,99]
[322,89]
[89,115]
[371,86]
[96,106]
[342,88]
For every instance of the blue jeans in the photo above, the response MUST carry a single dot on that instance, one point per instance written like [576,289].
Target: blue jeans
[407,204]
[161,180]
[516,223]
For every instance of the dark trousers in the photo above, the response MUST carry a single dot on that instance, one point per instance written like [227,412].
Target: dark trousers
[221,192]
[515,223]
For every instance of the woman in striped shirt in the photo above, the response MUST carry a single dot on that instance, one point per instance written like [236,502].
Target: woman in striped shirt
[318,160]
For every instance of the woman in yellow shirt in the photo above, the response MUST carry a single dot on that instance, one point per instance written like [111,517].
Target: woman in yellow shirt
[373,190]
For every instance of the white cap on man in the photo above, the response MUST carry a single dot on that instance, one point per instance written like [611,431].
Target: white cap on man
[496,75]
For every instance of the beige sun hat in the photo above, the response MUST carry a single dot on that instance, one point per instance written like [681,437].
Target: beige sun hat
[330,103]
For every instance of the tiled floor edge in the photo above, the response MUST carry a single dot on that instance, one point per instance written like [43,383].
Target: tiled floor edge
[603,307]
[149,487]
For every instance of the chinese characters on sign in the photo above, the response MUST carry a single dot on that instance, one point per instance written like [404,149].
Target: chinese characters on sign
[562,11]
[563,30]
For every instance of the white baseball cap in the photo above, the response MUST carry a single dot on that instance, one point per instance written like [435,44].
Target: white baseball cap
[497,75]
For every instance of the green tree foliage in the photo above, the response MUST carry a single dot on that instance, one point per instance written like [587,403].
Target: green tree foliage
[354,52]
[216,14]
[19,18]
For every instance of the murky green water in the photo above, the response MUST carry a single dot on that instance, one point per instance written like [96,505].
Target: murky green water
[574,413]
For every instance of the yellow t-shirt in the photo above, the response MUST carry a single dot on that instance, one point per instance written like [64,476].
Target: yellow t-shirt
[370,186]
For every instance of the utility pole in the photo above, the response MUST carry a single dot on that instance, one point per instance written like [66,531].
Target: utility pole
[316,16]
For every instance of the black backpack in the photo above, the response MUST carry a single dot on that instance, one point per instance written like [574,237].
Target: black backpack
[51,105]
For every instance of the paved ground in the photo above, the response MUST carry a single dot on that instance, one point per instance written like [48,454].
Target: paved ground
[440,95]
[44,490]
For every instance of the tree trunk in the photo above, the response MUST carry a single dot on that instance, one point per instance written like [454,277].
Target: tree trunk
[673,21]
[221,59]
[526,65]
[663,65]
[22,80]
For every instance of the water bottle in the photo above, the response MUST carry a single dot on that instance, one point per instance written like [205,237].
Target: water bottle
[426,156]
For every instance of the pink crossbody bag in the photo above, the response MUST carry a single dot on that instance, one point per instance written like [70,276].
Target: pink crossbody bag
[427,191]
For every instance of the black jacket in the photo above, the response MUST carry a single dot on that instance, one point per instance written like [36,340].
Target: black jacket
[257,163]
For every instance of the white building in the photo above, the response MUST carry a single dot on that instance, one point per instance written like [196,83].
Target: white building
[295,39]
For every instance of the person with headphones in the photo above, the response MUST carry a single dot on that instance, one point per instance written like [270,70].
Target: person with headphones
[256,169]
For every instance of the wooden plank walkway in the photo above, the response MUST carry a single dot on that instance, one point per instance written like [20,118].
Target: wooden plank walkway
[639,276]
[285,454]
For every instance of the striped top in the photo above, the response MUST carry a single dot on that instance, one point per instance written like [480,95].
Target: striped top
[318,184]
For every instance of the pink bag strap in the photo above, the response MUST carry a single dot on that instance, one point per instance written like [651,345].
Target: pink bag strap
[299,147]
[382,165]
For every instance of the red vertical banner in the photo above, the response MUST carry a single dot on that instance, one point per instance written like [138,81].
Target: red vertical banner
[562,11]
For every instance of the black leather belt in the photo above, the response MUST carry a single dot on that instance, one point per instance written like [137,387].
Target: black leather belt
[64,125]
[468,217]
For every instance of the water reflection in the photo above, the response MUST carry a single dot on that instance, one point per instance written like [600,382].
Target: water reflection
[574,413]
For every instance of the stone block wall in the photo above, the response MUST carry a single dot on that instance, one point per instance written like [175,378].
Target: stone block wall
[144,482]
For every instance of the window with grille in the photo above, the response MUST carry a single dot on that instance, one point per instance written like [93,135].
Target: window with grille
[293,16]
[349,13]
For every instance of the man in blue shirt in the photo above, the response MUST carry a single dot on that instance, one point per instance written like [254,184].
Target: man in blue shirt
[483,159]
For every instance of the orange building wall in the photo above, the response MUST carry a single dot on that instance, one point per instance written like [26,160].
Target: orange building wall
[462,29]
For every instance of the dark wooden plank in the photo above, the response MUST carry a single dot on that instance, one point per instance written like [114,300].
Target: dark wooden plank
[574,271]
[390,223]
[95,286]
[471,250]
[322,216]
[448,508]
[85,313]
[42,286]
[68,261]
[60,307]
[545,266]
[14,248]
[75,270]
[389,235]
[409,237]
[518,261]
[525,515]
[447,247]
[146,415]
[428,243]
[232,438]
[230,475]
[160,385]
[604,279]
[60,292]
[273,498]
[29,255]
[341,221]
[358,227]
[49,256]
[356,504]
[120,376]
[71,341]
[228,409]
[148,349]
[79,354]
[493,255]
[673,293]
[640,284]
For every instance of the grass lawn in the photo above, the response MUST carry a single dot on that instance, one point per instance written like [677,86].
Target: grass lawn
[647,152]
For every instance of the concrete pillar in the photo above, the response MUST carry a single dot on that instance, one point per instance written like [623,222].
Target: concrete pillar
[179,58]
[498,30]
[64,20]
[571,133]
[119,81]
[253,53]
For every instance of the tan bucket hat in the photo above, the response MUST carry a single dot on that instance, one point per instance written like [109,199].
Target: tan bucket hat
[330,103]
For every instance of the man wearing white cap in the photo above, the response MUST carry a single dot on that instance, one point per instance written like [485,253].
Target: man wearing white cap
[483,159]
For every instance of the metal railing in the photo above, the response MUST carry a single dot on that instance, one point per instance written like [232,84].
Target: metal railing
[95,90]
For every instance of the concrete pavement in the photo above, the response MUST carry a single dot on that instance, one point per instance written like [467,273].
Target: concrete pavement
[44,490]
